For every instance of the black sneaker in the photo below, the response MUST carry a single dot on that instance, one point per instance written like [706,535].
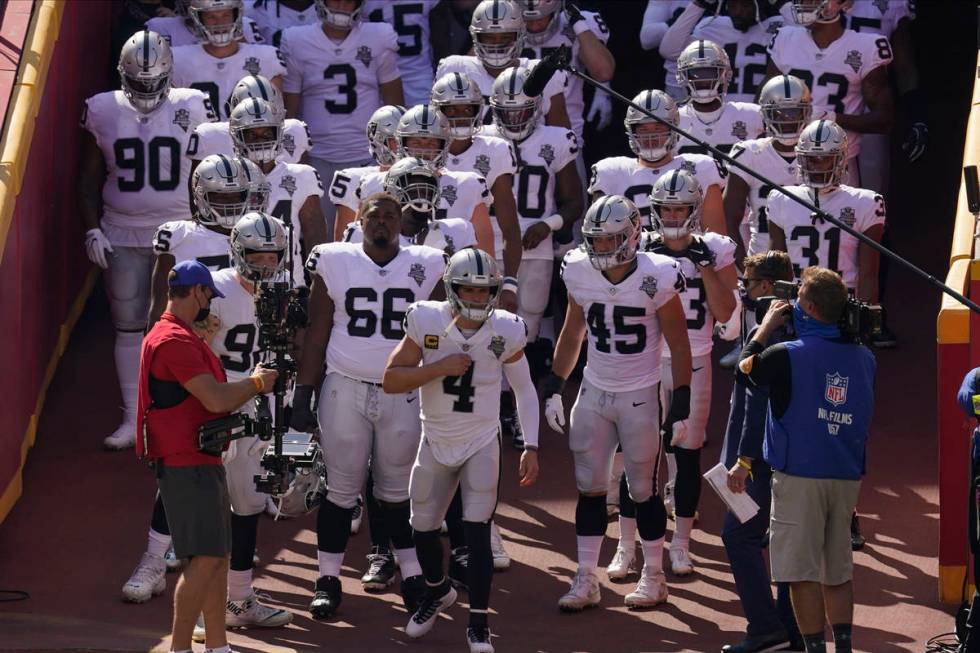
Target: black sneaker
[413,591]
[326,597]
[759,644]
[478,637]
[435,601]
[857,540]
[885,339]
[512,427]
[381,570]
[458,563]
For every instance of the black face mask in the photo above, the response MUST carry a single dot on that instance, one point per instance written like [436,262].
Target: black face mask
[203,313]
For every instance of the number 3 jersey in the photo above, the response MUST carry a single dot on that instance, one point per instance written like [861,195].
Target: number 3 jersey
[236,341]
[146,172]
[187,240]
[812,241]
[762,157]
[461,414]
[370,302]
[621,318]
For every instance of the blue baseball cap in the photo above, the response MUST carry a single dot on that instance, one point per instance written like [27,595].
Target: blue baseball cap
[193,273]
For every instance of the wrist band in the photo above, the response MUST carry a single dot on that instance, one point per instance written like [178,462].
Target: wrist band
[510,283]
[580,26]
[258,383]
[554,222]
[530,447]
[745,464]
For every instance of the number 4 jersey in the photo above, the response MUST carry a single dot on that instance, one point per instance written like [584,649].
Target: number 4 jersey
[621,318]
[370,302]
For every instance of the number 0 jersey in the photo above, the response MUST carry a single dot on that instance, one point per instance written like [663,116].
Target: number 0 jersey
[461,414]
[736,121]
[370,302]
[214,138]
[621,318]
[761,156]
[186,240]
[236,343]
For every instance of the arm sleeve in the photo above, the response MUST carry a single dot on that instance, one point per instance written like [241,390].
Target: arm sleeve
[762,366]
[518,375]
[967,391]
[181,358]
[678,34]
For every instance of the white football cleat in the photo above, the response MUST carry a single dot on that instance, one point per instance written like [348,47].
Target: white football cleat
[623,564]
[649,592]
[124,437]
[669,499]
[584,592]
[680,561]
[249,613]
[148,579]
[501,560]
[424,618]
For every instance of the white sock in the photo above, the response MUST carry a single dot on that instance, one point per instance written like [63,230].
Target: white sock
[671,468]
[220,649]
[627,532]
[157,543]
[127,354]
[239,584]
[682,533]
[588,551]
[653,555]
[330,563]
[186,650]
[408,562]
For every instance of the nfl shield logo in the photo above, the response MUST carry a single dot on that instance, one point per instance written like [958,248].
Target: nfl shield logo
[854,60]
[364,55]
[836,392]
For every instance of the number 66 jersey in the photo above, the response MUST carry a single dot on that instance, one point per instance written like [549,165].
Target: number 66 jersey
[621,318]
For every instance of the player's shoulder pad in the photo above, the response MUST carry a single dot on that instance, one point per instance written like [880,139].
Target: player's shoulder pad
[429,254]
[508,325]
[454,63]
[718,243]
[380,30]
[186,95]
[747,107]
[572,259]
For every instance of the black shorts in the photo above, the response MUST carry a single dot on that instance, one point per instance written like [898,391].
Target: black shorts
[198,509]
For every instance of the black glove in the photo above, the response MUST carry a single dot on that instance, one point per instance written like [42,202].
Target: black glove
[916,141]
[700,254]
[303,419]
[552,385]
[680,405]
[572,13]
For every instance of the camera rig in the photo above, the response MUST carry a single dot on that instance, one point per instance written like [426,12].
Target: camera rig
[859,321]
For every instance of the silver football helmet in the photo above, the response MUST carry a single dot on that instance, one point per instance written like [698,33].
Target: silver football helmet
[786,107]
[473,268]
[538,9]
[490,19]
[657,145]
[676,188]
[381,129]
[822,154]
[338,19]
[414,184]
[222,190]
[808,12]
[260,188]
[258,232]
[251,115]
[259,88]
[145,68]
[615,217]
[458,90]
[703,68]
[424,121]
[216,34]
[514,112]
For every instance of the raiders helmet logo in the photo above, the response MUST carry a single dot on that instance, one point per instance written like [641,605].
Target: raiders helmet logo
[649,286]
[182,118]
[288,184]
[364,55]
[854,60]
[289,143]
[497,346]
[547,153]
[847,216]
[449,194]
[417,272]
[252,66]
[482,164]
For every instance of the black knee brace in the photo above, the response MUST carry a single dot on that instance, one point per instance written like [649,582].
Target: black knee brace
[332,527]
[687,486]
[428,546]
[244,533]
[651,518]
[158,521]
[479,569]
[590,515]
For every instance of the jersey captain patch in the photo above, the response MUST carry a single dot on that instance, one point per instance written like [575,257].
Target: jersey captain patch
[364,55]
[431,341]
[853,60]
[417,272]
[182,118]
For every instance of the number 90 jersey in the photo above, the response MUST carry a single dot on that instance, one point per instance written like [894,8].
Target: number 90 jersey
[461,414]
[621,318]
[370,302]
[236,341]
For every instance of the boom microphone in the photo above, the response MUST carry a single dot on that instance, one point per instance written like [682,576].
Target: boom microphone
[542,73]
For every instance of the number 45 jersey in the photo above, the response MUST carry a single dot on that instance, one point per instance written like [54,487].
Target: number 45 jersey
[370,302]
[621,318]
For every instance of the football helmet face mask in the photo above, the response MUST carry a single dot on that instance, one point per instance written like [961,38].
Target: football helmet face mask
[473,268]
[611,232]
[217,35]
[381,130]
[654,145]
[498,32]
[246,119]
[455,93]
[424,121]
[786,107]
[704,70]
[514,113]
[222,191]
[537,10]
[258,233]
[414,184]
[259,88]
[821,154]
[145,68]
[337,19]
[676,189]
[808,12]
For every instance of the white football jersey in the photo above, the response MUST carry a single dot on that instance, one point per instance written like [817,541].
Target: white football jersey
[700,322]
[177,32]
[186,240]
[459,192]
[574,86]
[236,343]
[760,156]
[340,84]
[812,241]
[624,334]
[343,188]
[746,51]
[488,155]
[540,157]
[449,235]
[461,414]
[736,121]
[470,65]
[214,138]
[370,302]
[410,19]
[195,68]
[272,17]
[291,185]
[626,176]
[146,173]
[833,74]
[879,16]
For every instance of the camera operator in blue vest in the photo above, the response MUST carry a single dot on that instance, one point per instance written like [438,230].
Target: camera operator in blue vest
[821,399]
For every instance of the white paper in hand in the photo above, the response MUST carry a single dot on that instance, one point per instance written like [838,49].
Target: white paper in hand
[741,504]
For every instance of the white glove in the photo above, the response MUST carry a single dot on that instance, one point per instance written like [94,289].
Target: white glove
[229,454]
[554,412]
[96,245]
[600,111]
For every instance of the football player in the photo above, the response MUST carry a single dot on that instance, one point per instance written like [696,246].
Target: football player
[654,144]
[455,353]
[339,71]
[846,71]
[133,178]
[410,19]
[704,70]
[657,19]
[273,16]
[360,295]
[185,30]
[628,303]
[498,32]
[220,60]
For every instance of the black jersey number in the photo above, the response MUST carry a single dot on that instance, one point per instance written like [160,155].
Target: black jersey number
[840,83]
[347,89]
[215,263]
[596,321]
[211,89]
[239,340]
[695,309]
[810,250]
[462,388]
[363,322]
[284,211]
[145,161]
[634,194]
[532,189]
[413,33]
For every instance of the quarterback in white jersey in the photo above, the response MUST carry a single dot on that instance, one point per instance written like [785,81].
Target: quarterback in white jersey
[272,17]
[410,18]
[358,303]
[627,303]
[178,30]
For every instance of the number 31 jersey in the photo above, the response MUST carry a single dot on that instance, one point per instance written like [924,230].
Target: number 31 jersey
[236,341]
[370,302]
[621,318]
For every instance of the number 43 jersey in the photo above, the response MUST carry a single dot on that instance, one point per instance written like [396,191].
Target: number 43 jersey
[621,318]
[370,302]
